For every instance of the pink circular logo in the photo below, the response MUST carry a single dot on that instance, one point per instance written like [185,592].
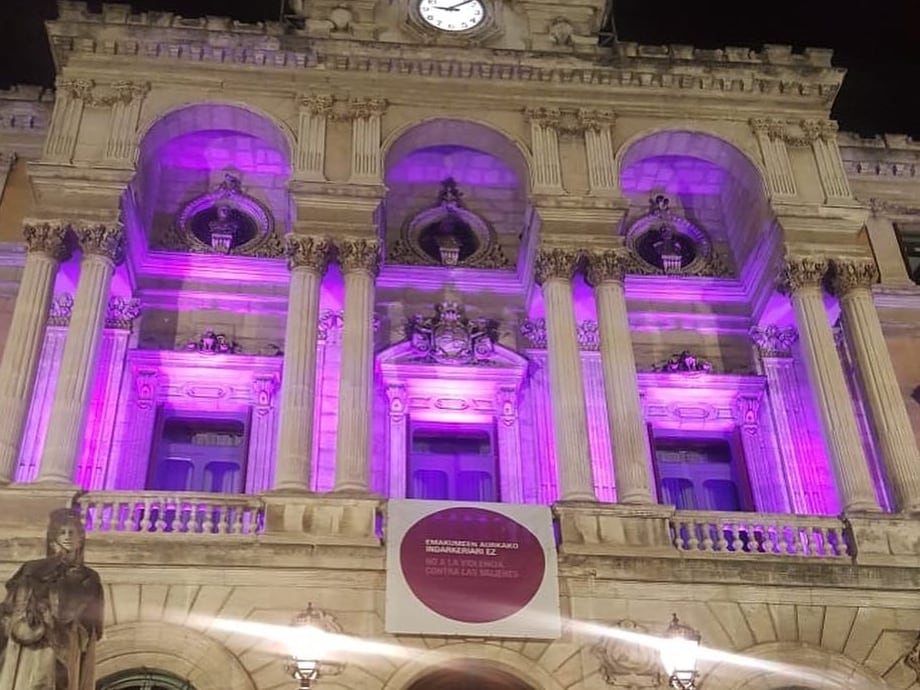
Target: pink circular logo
[472,565]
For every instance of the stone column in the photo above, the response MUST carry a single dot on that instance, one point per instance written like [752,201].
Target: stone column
[359,259]
[554,270]
[307,259]
[823,136]
[628,433]
[803,278]
[366,165]
[546,174]
[70,96]
[126,108]
[310,161]
[46,248]
[771,137]
[602,174]
[509,446]
[398,437]
[852,280]
[103,248]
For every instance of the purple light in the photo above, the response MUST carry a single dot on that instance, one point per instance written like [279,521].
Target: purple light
[469,167]
[674,175]
[219,149]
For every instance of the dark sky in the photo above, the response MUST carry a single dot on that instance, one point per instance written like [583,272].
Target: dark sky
[878,41]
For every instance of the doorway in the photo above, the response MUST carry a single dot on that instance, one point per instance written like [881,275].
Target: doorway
[472,676]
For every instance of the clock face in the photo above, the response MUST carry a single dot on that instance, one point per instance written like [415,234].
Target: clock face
[452,15]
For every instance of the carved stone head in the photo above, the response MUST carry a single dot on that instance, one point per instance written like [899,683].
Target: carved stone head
[66,535]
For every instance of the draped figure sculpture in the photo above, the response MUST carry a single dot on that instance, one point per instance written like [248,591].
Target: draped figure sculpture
[52,615]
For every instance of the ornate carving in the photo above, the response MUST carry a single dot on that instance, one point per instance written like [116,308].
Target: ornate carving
[625,664]
[126,91]
[774,341]
[589,335]
[610,265]
[306,251]
[145,388]
[81,89]
[47,237]
[61,310]
[449,337]
[556,263]
[802,272]
[330,324]
[534,332]
[747,411]
[317,104]
[211,343]
[264,389]
[361,108]
[359,255]
[506,402]
[596,119]
[562,120]
[102,239]
[121,312]
[396,395]
[774,129]
[852,274]
[912,658]
[684,363]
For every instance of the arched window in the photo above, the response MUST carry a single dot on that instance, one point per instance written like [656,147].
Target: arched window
[143,679]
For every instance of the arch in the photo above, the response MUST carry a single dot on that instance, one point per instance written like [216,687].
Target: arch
[143,679]
[197,115]
[792,665]
[474,134]
[489,656]
[466,676]
[173,649]
[697,142]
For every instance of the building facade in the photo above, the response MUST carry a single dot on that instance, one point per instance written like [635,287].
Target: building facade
[259,280]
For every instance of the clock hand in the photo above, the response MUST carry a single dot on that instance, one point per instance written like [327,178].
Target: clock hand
[454,8]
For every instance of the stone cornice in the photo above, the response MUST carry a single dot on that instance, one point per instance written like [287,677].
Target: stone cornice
[774,72]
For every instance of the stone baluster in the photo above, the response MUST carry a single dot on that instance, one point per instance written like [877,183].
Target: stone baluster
[103,249]
[852,280]
[769,494]
[69,101]
[307,260]
[771,138]
[546,173]
[823,137]
[803,278]
[366,164]
[310,161]
[602,174]
[398,438]
[126,108]
[360,260]
[509,446]
[554,270]
[628,435]
[46,248]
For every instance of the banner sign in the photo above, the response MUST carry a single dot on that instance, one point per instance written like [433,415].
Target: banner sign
[478,569]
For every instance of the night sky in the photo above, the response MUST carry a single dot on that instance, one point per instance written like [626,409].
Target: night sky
[877,41]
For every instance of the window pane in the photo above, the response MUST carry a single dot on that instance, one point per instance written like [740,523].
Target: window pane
[721,494]
[174,474]
[475,486]
[429,485]
[679,493]
[222,477]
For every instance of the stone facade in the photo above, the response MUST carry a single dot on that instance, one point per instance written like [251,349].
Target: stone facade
[339,233]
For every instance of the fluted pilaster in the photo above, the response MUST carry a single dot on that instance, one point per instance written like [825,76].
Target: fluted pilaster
[606,272]
[103,248]
[359,259]
[45,243]
[895,440]
[554,270]
[307,259]
[314,112]
[803,279]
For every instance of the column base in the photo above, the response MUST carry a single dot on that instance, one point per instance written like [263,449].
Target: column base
[614,530]
[26,505]
[322,518]
[885,540]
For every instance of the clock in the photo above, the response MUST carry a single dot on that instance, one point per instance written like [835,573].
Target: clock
[452,15]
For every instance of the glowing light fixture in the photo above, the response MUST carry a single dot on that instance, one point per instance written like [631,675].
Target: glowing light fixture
[679,652]
[308,647]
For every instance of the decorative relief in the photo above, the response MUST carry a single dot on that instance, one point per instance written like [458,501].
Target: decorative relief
[774,341]
[534,332]
[145,388]
[396,396]
[589,335]
[556,263]
[223,221]
[507,406]
[563,121]
[747,410]
[264,389]
[121,312]
[612,264]
[449,337]
[99,96]
[665,243]
[61,310]
[211,343]
[596,119]
[625,664]
[102,239]
[305,251]
[847,275]
[448,234]
[795,132]
[684,363]
[912,659]
[802,272]
[330,324]
[47,237]
[359,255]
[359,108]
[317,104]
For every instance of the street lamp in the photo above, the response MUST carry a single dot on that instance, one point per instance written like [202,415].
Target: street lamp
[308,647]
[679,652]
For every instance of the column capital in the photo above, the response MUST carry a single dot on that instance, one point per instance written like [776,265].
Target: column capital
[853,274]
[359,255]
[317,103]
[556,262]
[774,341]
[610,265]
[121,312]
[364,109]
[596,119]
[102,239]
[307,251]
[803,272]
[46,237]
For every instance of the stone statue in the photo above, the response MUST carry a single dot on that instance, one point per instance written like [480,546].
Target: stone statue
[52,615]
